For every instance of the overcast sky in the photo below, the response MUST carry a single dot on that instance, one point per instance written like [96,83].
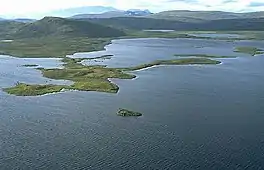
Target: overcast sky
[32,8]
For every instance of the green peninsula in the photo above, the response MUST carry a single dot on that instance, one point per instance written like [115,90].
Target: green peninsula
[182,61]
[29,65]
[52,47]
[249,50]
[91,78]
[203,55]
[22,89]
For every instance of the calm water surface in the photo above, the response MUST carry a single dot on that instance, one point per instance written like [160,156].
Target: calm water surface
[217,35]
[195,117]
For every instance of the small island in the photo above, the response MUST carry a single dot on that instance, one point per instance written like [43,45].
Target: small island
[181,61]
[105,57]
[91,78]
[128,113]
[22,89]
[30,65]
[203,56]
[249,50]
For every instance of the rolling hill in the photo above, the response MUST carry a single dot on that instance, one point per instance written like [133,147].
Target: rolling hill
[118,26]
[61,27]
[179,20]
[8,28]
[245,24]
[201,16]
[136,23]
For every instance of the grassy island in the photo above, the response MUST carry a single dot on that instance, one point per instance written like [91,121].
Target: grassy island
[91,78]
[203,55]
[22,89]
[85,78]
[182,61]
[128,113]
[249,50]
[30,65]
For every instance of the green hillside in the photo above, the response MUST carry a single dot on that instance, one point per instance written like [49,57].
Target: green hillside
[136,23]
[60,27]
[245,24]
[58,37]
[200,16]
[8,28]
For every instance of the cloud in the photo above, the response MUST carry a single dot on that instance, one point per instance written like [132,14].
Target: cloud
[38,8]
[256,4]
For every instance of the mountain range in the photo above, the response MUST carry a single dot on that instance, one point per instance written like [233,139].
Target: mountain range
[117,23]
[181,20]
[112,14]
[200,16]
[62,27]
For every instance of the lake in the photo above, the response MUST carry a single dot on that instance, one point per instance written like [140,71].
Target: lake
[217,35]
[194,117]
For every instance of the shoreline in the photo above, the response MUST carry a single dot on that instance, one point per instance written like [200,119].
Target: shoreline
[98,78]
[93,78]
[60,47]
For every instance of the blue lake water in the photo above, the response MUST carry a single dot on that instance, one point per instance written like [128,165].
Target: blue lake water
[195,117]
[159,30]
[217,35]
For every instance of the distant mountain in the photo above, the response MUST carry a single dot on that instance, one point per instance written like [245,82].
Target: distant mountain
[8,28]
[61,27]
[112,14]
[141,23]
[242,24]
[137,12]
[25,20]
[81,10]
[201,16]
[259,14]
[137,23]
[110,24]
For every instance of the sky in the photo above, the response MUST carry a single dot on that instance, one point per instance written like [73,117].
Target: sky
[38,8]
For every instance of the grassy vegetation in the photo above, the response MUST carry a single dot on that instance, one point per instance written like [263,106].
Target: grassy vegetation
[52,46]
[249,50]
[62,27]
[203,55]
[100,85]
[91,78]
[128,113]
[185,23]
[57,47]
[8,28]
[29,65]
[183,61]
[22,89]
[252,35]
[85,78]
[61,46]
[200,16]
[104,57]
